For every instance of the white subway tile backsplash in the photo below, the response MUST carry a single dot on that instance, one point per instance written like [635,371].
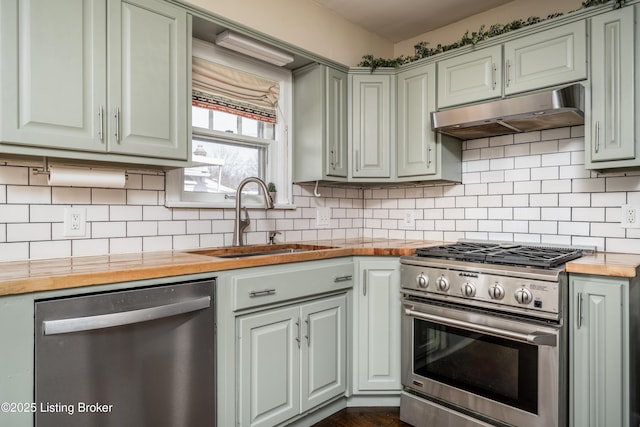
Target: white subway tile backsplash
[101,230]
[23,194]
[556,186]
[608,199]
[14,213]
[588,214]
[543,199]
[517,175]
[529,187]
[43,250]
[574,228]
[89,247]
[157,243]
[544,147]
[14,251]
[70,196]
[603,229]
[28,232]
[125,213]
[527,162]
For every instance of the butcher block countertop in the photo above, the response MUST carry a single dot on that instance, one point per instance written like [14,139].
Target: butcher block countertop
[20,277]
[606,264]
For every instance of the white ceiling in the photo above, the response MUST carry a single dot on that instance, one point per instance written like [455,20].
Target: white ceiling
[397,20]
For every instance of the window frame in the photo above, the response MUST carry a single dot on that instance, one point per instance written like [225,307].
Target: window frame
[278,151]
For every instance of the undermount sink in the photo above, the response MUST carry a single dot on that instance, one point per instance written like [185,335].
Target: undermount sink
[259,250]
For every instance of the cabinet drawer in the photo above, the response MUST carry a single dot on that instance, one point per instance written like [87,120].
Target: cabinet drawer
[276,284]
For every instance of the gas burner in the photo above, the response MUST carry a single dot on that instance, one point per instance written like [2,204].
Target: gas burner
[502,253]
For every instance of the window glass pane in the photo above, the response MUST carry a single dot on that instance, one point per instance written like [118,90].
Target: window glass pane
[218,167]
[250,127]
[200,117]
[225,122]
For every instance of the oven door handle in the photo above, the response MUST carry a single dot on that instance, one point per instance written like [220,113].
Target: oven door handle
[536,338]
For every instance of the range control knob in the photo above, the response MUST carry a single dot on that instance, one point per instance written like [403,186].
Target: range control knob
[422,280]
[469,290]
[523,296]
[496,291]
[442,283]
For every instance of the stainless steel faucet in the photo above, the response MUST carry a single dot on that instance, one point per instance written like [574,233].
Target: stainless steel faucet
[241,224]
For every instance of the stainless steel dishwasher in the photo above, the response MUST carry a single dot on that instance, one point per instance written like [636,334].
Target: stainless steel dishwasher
[140,357]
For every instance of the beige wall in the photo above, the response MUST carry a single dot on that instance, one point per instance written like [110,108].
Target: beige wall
[518,9]
[304,24]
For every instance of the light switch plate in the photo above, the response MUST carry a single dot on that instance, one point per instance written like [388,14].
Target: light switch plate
[323,217]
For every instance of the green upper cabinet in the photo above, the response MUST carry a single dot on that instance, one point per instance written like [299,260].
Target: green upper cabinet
[371,123]
[421,154]
[148,94]
[611,139]
[320,127]
[53,73]
[474,76]
[96,80]
[551,57]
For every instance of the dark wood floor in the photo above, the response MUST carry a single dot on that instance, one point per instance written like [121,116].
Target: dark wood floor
[364,417]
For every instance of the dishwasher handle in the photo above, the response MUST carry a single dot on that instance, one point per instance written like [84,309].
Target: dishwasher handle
[101,321]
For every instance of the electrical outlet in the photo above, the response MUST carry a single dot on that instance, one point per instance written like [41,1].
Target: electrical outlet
[323,217]
[75,222]
[408,219]
[629,217]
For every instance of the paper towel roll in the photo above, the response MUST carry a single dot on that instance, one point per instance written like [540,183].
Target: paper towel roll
[77,177]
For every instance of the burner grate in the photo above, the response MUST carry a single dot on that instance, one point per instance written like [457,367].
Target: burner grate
[510,254]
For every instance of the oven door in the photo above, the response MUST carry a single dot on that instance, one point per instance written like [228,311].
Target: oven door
[493,368]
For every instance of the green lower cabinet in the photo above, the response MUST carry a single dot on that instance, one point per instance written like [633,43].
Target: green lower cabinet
[291,359]
[599,349]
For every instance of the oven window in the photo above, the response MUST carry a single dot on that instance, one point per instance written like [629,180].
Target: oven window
[496,368]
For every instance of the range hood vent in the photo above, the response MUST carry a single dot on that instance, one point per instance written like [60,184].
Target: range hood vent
[537,111]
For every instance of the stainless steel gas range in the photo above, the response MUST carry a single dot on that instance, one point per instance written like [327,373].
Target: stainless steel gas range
[484,341]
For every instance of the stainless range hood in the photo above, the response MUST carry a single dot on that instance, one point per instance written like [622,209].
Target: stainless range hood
[537,111]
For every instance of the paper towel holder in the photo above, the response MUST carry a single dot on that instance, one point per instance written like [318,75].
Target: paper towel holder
[45,169]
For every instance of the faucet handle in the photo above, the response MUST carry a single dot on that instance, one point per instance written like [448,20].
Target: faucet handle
[272,236]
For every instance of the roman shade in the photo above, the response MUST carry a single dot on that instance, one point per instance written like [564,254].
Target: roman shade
[222,88]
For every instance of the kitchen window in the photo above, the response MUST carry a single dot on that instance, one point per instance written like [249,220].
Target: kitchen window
[236,136]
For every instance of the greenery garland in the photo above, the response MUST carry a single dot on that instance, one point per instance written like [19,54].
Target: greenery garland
[423,51]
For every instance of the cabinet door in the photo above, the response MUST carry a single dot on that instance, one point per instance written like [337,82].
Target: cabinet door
[597,362]
[148,96]
[470,77]
[416,141]
[53,73]
[336,144]
[324,354]
[269,367]
[548,58]
[612,87]
[371,126]
[378,326]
